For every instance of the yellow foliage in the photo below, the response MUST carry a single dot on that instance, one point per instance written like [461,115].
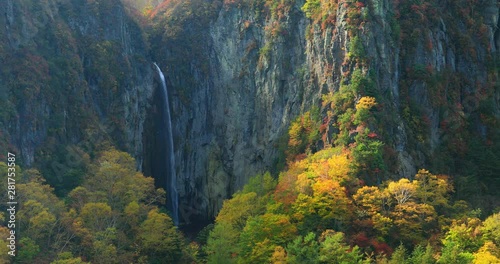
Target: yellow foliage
[279,256]
[402,190]
[304,182]
[432,189]
[413,220]
[330,199]
[366,102]
[335,168]
[236,211]
[370,199]
[338,168]
[323,187]
[487,254]
[295,132]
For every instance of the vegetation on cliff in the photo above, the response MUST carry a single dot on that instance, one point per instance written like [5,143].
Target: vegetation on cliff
[336,193]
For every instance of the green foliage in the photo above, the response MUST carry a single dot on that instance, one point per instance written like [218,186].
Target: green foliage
[28,250]
[399,255]
[363,83]
[67,258]
[368,158]
[312,8]
[333,249]
[421,255]
[265,51]
[96,216]
[222,244]
[453,254]
[356,49]
[461,241]
[261,184]
[303,249]
[321,12]
[463,234]
[482,162]
[432,189]
[491,228]
[159,239]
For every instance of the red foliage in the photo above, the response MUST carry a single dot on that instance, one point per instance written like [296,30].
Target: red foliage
[361,240]
[330,20]
[322,128]
[362,183]
[381,247]
[285,190]
[300,157]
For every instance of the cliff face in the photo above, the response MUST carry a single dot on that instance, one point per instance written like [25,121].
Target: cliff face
[257,65]
[77,74]
[74,75]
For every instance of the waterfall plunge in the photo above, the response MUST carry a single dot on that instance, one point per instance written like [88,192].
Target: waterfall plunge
[170,173]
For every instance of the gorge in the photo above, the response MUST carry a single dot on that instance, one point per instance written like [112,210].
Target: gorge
[239,73]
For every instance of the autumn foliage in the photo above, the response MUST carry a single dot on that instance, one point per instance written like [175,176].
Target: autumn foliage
[319,211]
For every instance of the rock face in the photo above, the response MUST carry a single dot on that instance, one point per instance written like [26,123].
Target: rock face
[71,70]
[258,69]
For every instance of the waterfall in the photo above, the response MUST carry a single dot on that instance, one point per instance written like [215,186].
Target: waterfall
[171,187]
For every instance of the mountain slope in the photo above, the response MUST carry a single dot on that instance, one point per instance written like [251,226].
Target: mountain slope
[75,74]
